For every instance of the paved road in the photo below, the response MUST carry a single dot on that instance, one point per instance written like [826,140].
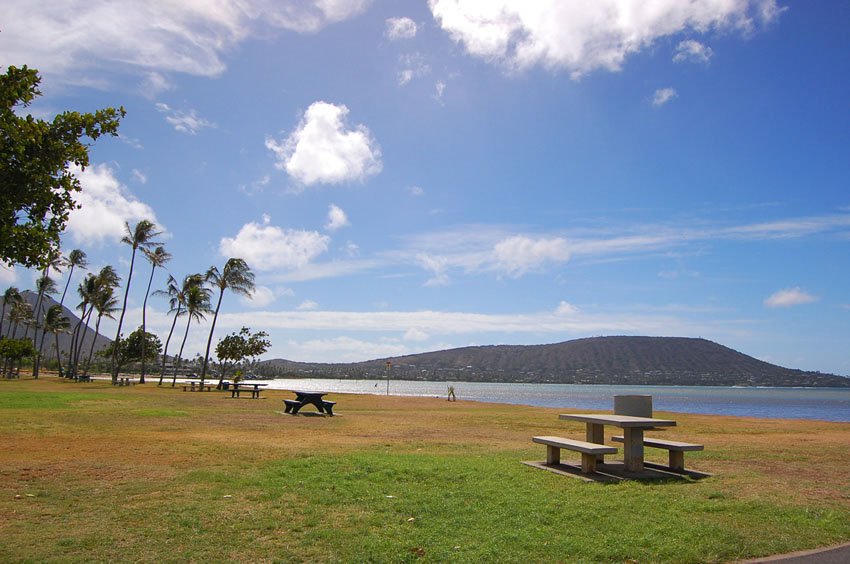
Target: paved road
[836,555]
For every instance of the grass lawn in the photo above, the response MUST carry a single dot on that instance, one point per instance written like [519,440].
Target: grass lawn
[89,472]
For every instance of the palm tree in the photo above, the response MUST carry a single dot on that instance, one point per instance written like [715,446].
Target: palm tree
[88,290]
[10,297]
[54,322]
[19,312]
[176,301]
[142,236]
[157,257]
[104,303]
[45,286]
[235,275]
[197,303]
[54,261]
[75,258]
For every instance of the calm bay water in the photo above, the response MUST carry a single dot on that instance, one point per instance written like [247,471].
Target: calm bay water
[826,404]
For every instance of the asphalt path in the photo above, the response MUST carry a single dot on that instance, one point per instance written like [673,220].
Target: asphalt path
[833,555]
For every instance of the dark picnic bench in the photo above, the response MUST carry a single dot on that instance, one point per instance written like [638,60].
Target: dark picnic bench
[192,386]
[239,387]
[303,398]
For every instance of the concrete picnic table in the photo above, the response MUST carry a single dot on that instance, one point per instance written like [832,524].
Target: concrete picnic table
[633,428]
[246,387]
[303,397]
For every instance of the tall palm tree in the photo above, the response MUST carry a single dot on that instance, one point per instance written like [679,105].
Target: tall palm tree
[88,291]
[236,276]
[54,261]
[157,257]
[176,294]
[45,286]
[20,312]
[10,297]
[104,303]
[141,236]
[197,305]
[54,322]
[75,258]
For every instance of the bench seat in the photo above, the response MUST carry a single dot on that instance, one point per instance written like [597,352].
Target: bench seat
[292,406]
[329,407]
[589,451]
[676,449]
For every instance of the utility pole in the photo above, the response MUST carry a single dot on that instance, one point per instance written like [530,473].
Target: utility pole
[389,365]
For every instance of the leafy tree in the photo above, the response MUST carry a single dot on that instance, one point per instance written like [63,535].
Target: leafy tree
[236,347]
[237,276]
[129,350]
[197,303]
[13,351]
[35,167]
[140,236]
[157,257]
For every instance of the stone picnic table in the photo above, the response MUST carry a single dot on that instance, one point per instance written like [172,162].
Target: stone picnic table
[633,428]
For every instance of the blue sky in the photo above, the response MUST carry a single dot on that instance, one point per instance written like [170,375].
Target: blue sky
[406,176]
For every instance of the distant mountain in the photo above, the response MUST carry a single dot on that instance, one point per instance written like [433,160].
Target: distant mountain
[101,342]
[597,360]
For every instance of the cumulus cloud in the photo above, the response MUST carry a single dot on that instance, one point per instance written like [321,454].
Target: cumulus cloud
[662,96]
[184,121]
[336,218]
[105,206]
[520,254]
[400,28]
[691,51]
[262,296]
[789,297]
[79,42]
[267,247]
[580,37]
[322,149]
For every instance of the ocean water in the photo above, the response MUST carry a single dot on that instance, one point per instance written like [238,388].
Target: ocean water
[825,404]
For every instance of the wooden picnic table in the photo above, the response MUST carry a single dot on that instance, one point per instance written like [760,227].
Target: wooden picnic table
[237,387]
[633,428]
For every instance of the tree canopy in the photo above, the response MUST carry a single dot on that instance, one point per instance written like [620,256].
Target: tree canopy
[35,176]
[236,347]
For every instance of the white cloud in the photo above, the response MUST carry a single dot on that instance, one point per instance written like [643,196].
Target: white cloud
[692,51]
[7,274]
[307,305]
[519,254]
[336,218]
[662,96]
[437,265]
[413,66]
[400,28]
[185,122]
[580,37]
[414,334]
[267,247]
[789,297]
[106,205]
[79,42]
[416,191]
[139,176]
[155,83]
[322,150]
[262,296]
[439,89]
[344,349]
[565,308]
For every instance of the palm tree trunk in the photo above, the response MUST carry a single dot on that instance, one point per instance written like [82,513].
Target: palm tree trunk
[180,354]
[37,361]
[67,283]
[91,349]
[121,318]
[209,340]
[58,356]
[75,334]
[144,310]
[165,349]
[83,340]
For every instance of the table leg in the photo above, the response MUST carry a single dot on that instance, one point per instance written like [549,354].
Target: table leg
[633,449]
[596,434]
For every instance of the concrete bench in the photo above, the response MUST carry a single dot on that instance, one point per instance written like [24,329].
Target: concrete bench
[589,451]
[675,448]
[292,406]
[329,407]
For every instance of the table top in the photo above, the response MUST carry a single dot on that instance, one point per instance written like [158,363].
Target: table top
[304,393]
[618,420]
